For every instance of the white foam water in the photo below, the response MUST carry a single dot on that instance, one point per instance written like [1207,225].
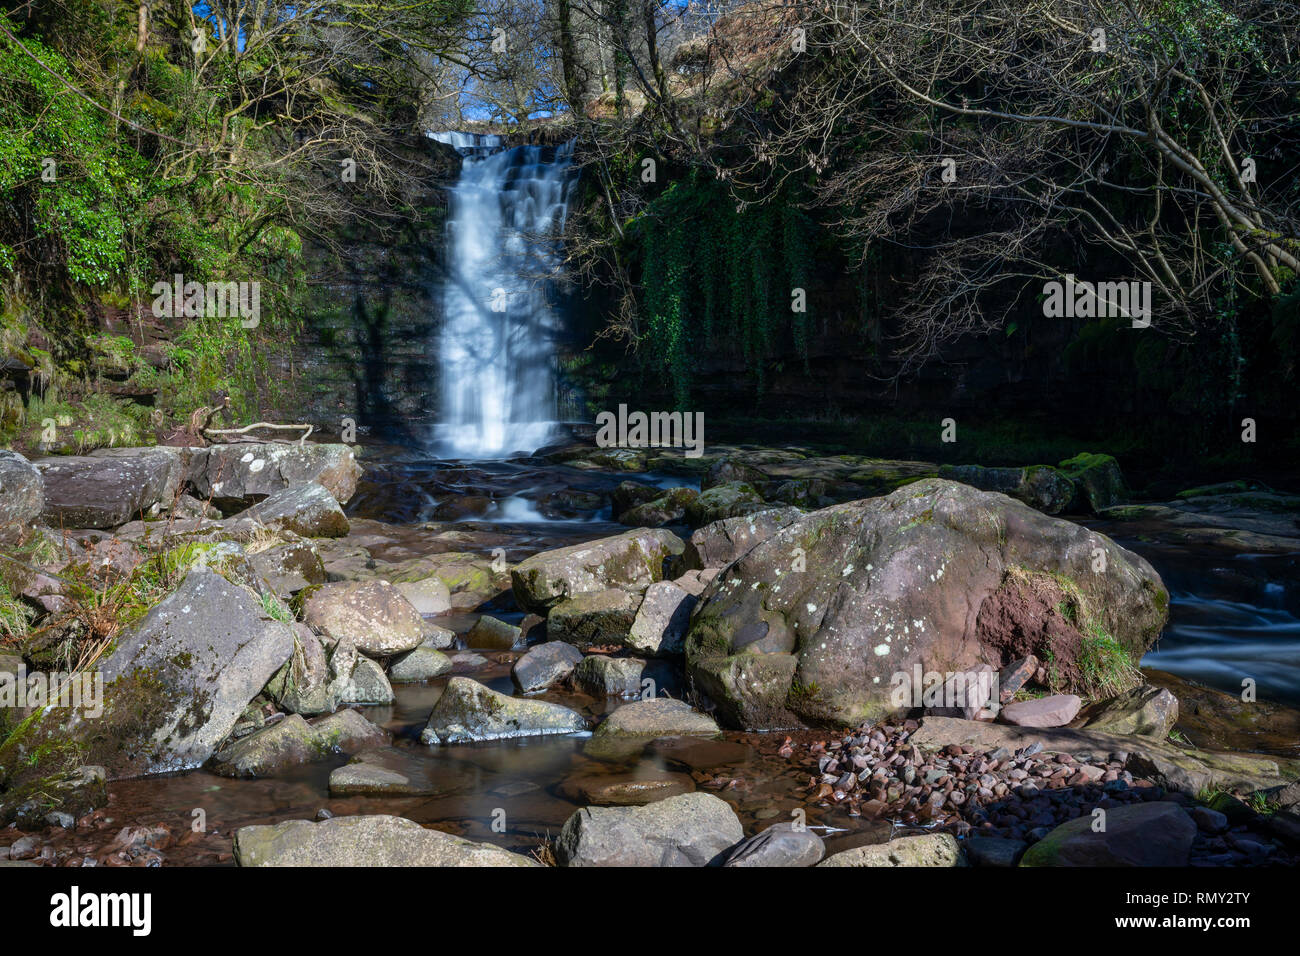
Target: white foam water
[496,346]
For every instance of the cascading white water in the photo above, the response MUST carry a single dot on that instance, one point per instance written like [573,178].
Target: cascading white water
[496,351]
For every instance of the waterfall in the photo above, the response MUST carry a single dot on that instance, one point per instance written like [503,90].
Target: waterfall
[495,349]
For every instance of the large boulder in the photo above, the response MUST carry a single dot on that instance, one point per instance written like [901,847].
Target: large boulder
[689,830]
[22,496]
[468,712]
[716,545]
[308,510]
[240,473]
[180,679]
[372,616]
[373,841]
[813,623]
[631,560]
[82,491]
[289,568]
[1142,834]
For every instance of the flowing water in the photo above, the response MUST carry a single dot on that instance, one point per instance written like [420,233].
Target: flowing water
[1232,616]
[495,351]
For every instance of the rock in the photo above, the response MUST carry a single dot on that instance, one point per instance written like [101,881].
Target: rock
[90,492]
[308,510]
[625,789]
[602,676]
[730,471]
[288,568]
[729,500]
[1042,487]
[470,578]
[1054,711]
[286,743]
[428,596]
[304,684]
[1209,821]
[1159,761]
[367,685]
[544,665]
[1146,710]
[293,741]
[594,618]
[372,616]
[718,544]
[179,680]
[931,849]
[1158,833]
[779,845]
[467,712]
[629,494]
[22,496]
[397,772]
[669,508]
[1099,480]
[236,474]
[894,583]
[632,560]
[491,634]
[1014,676]
[688,830]
[72,792]
[659,627]
[659,717]
[421,664]
[373,841]
[993,851]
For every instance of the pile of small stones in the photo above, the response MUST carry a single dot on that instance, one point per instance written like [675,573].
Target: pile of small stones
[875,772]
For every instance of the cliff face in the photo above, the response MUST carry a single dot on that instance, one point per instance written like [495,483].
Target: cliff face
[365,347]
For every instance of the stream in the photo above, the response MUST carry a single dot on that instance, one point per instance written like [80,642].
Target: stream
[1232,616]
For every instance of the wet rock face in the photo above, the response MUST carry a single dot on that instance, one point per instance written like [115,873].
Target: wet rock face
[237,474]
[363,841]
[22,496]
[812,623]
[633,560]
[102,492]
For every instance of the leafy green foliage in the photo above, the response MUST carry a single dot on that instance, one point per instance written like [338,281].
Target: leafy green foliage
[712,273]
